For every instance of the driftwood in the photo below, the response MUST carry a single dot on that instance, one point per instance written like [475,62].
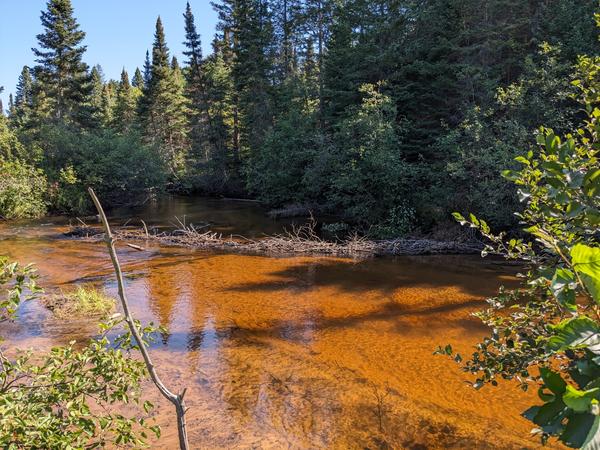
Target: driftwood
[294,211]
[175,399]
[299,240]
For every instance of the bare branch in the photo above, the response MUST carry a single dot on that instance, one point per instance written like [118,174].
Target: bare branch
[176,400]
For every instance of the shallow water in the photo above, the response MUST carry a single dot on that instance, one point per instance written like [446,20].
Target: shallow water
[299,352]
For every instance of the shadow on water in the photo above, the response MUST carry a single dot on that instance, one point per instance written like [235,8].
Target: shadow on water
[386,275]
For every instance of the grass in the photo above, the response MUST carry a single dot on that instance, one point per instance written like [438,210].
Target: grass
[83,301]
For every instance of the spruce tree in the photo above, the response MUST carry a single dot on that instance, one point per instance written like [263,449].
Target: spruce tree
[247,34]
[165,107]
[124,115]
[11,106]
[202,132]
[96,98]
[61,75]
[23,98]
[138,79]
[147,70]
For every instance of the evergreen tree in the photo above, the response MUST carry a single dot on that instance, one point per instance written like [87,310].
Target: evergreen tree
[203,129]
[138,79]
[165,107]
[287,22]
[250,23]
[147,70]
[317,22]
[11,106]
[124,115]
[96,98]
[23,98]
[61,75]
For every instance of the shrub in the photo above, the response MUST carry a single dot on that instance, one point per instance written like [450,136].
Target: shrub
[62,399]
[22,190]
[120,168]
[552,321]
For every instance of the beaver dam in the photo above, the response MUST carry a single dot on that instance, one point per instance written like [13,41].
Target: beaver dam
[301,239]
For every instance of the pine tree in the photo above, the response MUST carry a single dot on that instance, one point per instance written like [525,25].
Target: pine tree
[108,103]
[317,22]
[287,22]
[61,75]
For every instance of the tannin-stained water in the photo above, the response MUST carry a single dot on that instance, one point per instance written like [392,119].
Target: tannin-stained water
[299,352]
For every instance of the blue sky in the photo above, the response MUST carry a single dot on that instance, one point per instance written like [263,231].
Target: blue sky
[118,32]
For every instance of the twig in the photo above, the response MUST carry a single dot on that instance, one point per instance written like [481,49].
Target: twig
[135,247]
[175,399]
[145,229]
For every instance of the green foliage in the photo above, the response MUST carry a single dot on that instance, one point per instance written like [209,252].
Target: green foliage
[487,140]
[62,399]
[62,79]
[164,107]
[16,281]
[552,322]
[22,190]
[367,177]
[279,110]
[119,167]
[276,171]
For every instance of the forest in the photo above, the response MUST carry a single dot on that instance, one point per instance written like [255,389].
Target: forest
[389,114]
[382,123]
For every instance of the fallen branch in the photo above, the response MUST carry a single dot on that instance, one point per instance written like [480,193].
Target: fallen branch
[300,240]
[175,399]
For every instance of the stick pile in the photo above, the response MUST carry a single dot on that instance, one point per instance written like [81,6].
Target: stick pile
[300,240]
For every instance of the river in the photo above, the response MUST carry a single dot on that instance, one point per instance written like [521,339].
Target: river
[296,352]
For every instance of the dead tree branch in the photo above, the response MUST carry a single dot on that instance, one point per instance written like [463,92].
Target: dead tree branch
[175,399]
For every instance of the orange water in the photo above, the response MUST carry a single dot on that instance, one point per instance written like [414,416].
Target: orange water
[296,352]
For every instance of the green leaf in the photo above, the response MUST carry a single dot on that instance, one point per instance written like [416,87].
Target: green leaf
[579,401]
[586,261]
[553,381]
[459,218]
[549,413]
[581,431]
[578,332]
[562,286]
[591,183]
